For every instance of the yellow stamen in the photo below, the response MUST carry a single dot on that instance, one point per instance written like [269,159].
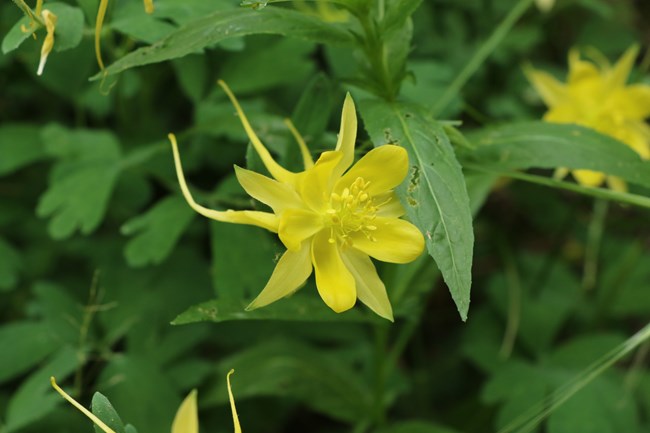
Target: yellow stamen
[304,150]
[148,6]
[50,24]
[235,418]
[83,410]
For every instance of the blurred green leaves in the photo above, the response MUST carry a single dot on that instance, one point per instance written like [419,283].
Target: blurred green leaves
[81,182]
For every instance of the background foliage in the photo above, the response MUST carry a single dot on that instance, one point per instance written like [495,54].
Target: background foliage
[99,252]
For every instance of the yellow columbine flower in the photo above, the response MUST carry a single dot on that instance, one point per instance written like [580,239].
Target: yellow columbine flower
[329,220]
[596,96]
[185,421]
[50,23]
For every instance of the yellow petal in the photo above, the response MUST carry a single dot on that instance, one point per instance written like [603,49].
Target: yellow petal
[549,89]
[334,281]
[621,70]
[148,6]
[50,24]
[384,167]
[187,419]
[633,101]
[297,225]
[580,70]
[560,173]
[261,219]
[616,184]
[588,177]
[347,135]
[276,170]
[278,196]
[316,183]
[99,22]
[394,241]
[292,270]
[98,422]
[233,409]
[370,289]
[388,205]
[304,150]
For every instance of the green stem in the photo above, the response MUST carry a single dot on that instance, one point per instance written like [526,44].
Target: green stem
[481,54]
[594,237]
[514,302]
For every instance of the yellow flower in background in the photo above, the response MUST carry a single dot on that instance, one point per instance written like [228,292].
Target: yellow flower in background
[329,219]
[50,23]
[596,95]
[185,421]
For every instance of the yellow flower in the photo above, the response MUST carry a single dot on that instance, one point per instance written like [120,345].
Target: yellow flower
[50,23]
[596,96]
[185,421]
[329,219]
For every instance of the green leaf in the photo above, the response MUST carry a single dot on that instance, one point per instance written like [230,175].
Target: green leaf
[16,36]
[82,182]
[104,410]
[20,145]
[548,145]
[213,28]
[415,427]
[282,368]
[30,343]
[307,308]
[10,266]
[35,398]
[69,25]
[192,73]
[242,260]
[157,231]
[434,193]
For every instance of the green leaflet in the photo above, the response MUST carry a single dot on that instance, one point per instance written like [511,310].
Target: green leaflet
[156,232]
[105,411]
[547,145]
[434,194]
[213,28]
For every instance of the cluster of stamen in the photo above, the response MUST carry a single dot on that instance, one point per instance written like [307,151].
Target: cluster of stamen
[352,211]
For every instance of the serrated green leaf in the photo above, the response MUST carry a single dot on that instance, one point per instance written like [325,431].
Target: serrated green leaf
[82,182]
[104,410]
[548,145]
[10,266]
[20,145]
[156,231]
[297,308]
[213,28]
[434,193]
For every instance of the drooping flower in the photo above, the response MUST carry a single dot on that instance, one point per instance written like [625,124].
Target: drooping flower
[185,421]
[330,220]
[50,23]
[596,96]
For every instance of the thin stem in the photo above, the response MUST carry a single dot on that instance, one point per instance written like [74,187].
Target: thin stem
[514,303]
[481,54]
[594,237]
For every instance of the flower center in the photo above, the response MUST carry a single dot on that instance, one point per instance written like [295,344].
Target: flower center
[351,212]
